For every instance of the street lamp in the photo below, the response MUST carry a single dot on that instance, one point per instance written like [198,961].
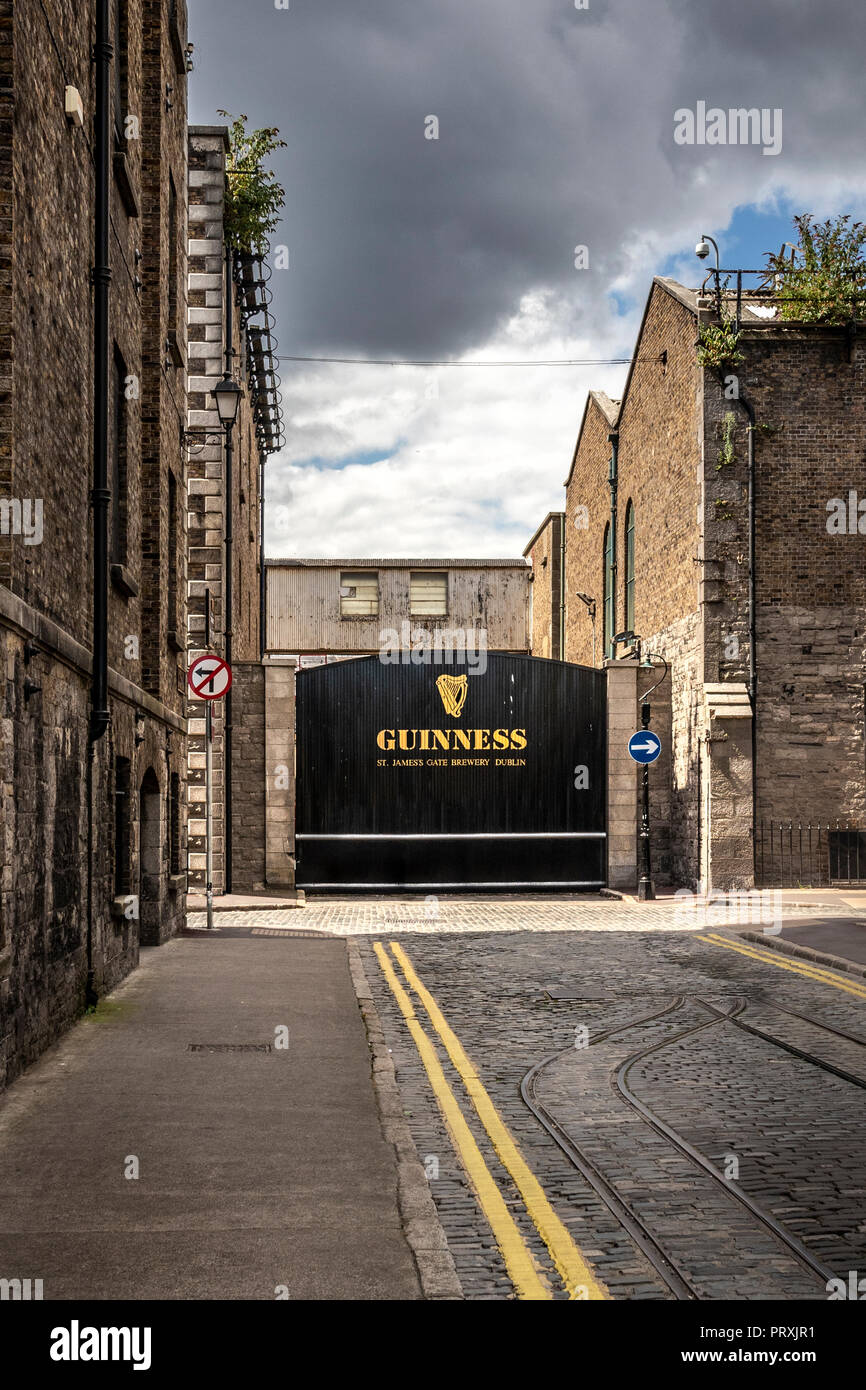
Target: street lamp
[227,395]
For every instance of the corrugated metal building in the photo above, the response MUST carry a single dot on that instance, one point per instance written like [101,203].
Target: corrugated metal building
[322,608]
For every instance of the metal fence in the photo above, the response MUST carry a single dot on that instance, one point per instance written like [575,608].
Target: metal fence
[823,855]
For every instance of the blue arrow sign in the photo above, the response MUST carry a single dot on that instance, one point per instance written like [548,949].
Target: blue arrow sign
[644,747]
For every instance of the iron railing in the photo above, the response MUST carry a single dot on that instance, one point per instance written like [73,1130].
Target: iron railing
[789,854]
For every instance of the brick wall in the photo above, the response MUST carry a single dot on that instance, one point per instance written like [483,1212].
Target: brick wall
[46,183]
[658,429]
[587,510]
[545,553]
[810,447]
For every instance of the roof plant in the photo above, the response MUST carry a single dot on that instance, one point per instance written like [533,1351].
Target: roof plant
[824,278]
[254,195]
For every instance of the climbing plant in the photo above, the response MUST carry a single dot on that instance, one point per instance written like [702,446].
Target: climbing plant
[727,453]
[718,344]
[254,195]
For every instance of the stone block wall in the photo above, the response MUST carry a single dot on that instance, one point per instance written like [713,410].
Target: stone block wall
[280,772]
[248,778]
[208,505]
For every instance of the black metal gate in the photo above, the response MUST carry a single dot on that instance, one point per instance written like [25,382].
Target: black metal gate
[432,777]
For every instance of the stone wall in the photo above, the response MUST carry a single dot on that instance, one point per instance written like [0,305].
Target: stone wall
[280,772]
[809,392]
[248,777]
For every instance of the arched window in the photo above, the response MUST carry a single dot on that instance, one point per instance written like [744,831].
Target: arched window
[629,567]
[608,592]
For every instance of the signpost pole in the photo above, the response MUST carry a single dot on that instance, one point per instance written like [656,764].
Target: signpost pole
[645,890]
[208,779]
[202,677]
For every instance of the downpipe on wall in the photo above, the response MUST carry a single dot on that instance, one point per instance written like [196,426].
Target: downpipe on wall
[103,53]
[753,659]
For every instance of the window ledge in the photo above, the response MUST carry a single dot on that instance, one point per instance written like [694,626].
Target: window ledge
[177,883]
[173,348]
[358,617]
[123,581]
[118,907]
[124,183]
[174,641]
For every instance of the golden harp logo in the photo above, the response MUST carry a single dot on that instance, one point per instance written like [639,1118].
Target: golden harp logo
[453,690]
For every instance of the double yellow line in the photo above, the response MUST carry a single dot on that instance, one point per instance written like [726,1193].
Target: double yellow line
[803,968]
[528,1279]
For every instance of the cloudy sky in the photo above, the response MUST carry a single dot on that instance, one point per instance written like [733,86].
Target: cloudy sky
[555,130]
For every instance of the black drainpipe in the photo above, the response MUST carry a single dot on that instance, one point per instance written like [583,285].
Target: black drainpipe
[228,598]
[753,661]
[262,587]
[561,624]
[614,483]
[100,495]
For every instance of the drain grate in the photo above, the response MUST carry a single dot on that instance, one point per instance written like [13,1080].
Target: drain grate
[229,1047]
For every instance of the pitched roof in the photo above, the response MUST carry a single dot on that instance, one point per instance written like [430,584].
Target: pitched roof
[608,409]
[612,410]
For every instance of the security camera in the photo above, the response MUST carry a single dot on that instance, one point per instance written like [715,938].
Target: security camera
[702,250]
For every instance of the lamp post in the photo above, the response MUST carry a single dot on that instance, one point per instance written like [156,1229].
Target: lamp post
[227,395]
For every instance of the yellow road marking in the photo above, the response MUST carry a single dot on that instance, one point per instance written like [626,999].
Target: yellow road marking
[521,1267]
[796,967]
[573,1269]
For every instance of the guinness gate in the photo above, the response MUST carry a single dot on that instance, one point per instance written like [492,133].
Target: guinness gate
[420,777]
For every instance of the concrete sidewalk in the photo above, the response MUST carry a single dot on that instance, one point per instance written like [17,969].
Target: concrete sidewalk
[257,1169]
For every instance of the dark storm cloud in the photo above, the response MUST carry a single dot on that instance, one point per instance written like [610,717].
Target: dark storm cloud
[555,129]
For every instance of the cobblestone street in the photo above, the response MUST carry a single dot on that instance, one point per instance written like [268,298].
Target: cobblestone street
[688,1154]
[359,916]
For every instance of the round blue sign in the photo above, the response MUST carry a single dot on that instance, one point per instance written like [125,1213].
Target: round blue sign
[644,747]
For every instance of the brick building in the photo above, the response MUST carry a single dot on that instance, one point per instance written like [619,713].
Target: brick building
[91,864]
[766,642]
[546,554]
[228,301]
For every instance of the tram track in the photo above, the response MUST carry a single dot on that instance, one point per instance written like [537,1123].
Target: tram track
[667,1267]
